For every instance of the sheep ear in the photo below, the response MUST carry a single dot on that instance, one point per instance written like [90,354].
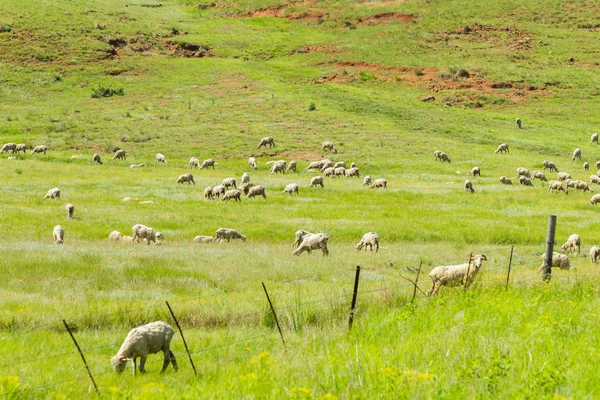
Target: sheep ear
[483,257]
[123,358]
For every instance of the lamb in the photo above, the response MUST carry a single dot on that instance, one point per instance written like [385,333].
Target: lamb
[96,159]
[267,141]
[278,166]
[339,164]
[505,181]
[524,181]
[379,183]
[563,176]
[572,244]
[208,163]
[194,163]
[291,166]
[474,171]
[143,340]
[203,239]
[539,175]
[291,189]
[208,192]
[456,275]
[70,210]
[518,121]
[218,191]
[366,180]
[53,193]
[328,146]
[120,155]
[329,172]
[586,166]
[144,232]
[186,178]
[141,165]
[469,186]
[339,171]
[550,165]
[440,155]
[300,234]
[317,180]
[523,172]
[312,242]
[245,178]
[21,147]
[595,179]
[576,154]
[559,261]
[228,182]
[557,186]
[226,233]
[59,235]
[232,194]
[594,138]
[252,163]
[160,158]
[39,149]
[115,236]
[595,199]
[502,148]
[258,190]
[12,147]
[595,254]
[369,239]
[352,172]
[582,185]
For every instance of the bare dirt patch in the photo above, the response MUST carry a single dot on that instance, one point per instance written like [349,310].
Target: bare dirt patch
[315,49]
[387,17]
[513,38]
[184,49]
[282,12]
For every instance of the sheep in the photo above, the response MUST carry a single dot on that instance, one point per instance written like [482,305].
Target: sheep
[469,186]
[115,236]
[228,182]
[160,158]
[70,210]
[208,192]
[12,147]
[258,190]
[147,202]
[586,166]
[339,171]
[39,149]
[245,178]
[595,254]
[300,234]
[218,191]
[474,171]
[518,121]
[58,234]
[317,164]
[570,183]
[267,141]
[597,165]
[352,172]
[120,155]
[186,178]
[141,165]
[144,232]
[502,148]
[232,194]
[505,181]
[440,155]
[226,233]
[582,185]
[244,188]
[523,172]
[576,154]
[291,166]
[291,189]
[595,179]
[312,242]
[594,138]
[317,180]
[369,239]
[203,239]
[252,163]
[194,163]
[328,172]
[563,176]
[53,193]
[559,261]
[379,183]
[328,164]
[595,199]
[539,175]
[524,181]
[96,159]
[366,180]
[21,147]
[339,164]
[328,146]
[456,275]
[556,186]
[159,237]
[550,165]
[572,244]
[353,165]
[278,166]
[208,163]
[143,340]
[129,199]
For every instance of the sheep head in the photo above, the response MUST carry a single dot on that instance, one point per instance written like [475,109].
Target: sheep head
[118,363]
[478,259]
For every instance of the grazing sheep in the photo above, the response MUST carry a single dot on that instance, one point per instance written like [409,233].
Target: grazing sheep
[595,199]
[291,189]
[258,190]
[440,155]
[369,239]
[160,158]
[328,146]
[144,232]
[366,180]
[189,178]
[594,138]
[208,192]
[244,188]
[58,234]
[218,191]
[245,178]
[524,181]
[313,241]
[557,186]
[300,234]
[339,171]
[523,172]
[456,275]
[252,163]
[576,154]
[339,164]
[232,194]
[228,234]
[582,185]
[115,236]
[474,171]
[120,155]
[291,166]
[469,186]
[595,179]
[278,166]
[518,121]
[379,183]
[352,172]
[228,182]
[96,159]
[267,141]
[550,165]
[160,237]
[539,175]
[559,261]
[594,254]
[208,163]
[329,172]
[570,183]
[562,176]
[572,244]
[317,180]
[326,164]
[39,149]
[505,181]
[317,164]
[70,210]
[21,147]
[143,340]
[12,147]
[203,239]
[53,193]
[193,163]
[586,166]
[142,165]
[502,148]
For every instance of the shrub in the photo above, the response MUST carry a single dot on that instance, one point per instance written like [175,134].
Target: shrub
[312,107]
[106,91]
[419,72]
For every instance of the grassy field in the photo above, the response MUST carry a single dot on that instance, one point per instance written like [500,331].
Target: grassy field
[209,80]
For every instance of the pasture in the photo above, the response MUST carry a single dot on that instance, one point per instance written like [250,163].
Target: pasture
[209,80]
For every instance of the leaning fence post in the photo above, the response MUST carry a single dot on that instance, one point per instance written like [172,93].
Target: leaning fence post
[82,357]
[547,266]
[354,294]
[509,266]
[417,280]
[468,270]
[274,314]
[182,337]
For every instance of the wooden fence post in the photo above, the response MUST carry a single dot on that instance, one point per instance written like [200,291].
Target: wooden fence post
[549,248]
[417,280]
[509,266]
[354,294]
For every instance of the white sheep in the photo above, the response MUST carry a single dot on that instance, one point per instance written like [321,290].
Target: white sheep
[582,185]
[370,240]
[194,163]
[143,340]
[189,178]
[203,239]
[128,239]
[115,236]
[291,189]
[594,138]
[96,159]
[327,164]
[352,172]
[573,244]
[244,188]
[505,181]
[595,254]
[144,232]
[317,180]
[328,172]
[595,179]
[570,183]
[559,261]
[557,186]
[21,147]
[53,193]
[252,163]
[120,155]
[208,163]
[550,165]
[339,171]
[440,155]
[40,149]
[232,194]
[291,166]
[523,172]
[524,181]
[300,234]
[586,166]
[538,175]
[258,190]
[312,242]
[366,180]
[245,178]
[160,158]
[328,146]
[58,234]
[218,191]
[379,183]
[339,164]
[595,199]
[208,192]
[228,234]
[267,141]
[12,147]
[456,275]
[502,148]
[70,210]
[141,165]
[564,176]
[317,164]
[576,154]
[278,166]
[474,171]
[229,182]
[160,238]
[469,186]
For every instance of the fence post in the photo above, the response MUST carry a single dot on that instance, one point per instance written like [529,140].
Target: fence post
[274,314]
[509,266]
[82,357]
[468,270]
[417,280]
[182,337]
[549,248]
[354,294]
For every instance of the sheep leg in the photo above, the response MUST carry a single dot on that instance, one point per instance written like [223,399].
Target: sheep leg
[134,366]
[376,246]
[166,361]
[325,250]
[142,364]
[174,361]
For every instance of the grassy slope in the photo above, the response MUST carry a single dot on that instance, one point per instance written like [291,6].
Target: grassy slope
[254,86]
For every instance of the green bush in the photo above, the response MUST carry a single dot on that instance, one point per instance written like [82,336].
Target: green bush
[106,91]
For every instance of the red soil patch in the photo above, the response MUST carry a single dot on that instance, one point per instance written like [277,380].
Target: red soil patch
[281,12]
[315,49]
[383,18]
[508,36]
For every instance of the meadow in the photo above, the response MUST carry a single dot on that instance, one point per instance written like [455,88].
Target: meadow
[210,79]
